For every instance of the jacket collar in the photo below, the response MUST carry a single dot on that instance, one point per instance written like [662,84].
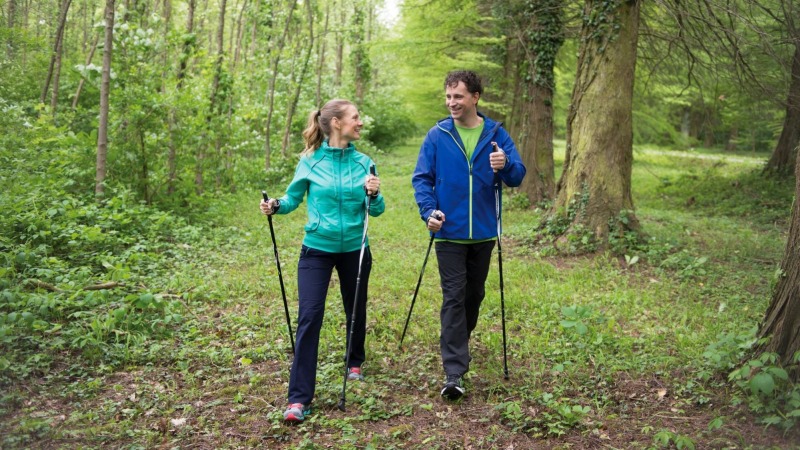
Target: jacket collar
[326,150]
[449,124]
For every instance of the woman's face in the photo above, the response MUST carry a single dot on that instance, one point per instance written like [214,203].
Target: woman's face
[349,125]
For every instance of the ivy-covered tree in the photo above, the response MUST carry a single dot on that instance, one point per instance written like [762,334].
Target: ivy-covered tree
[594,192]
[535,33]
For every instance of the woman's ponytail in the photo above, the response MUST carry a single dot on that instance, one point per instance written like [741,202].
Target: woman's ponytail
[313,135]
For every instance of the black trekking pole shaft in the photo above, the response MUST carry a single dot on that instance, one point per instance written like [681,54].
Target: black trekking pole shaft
[502,306]
[280,274]
[343,395]
[500,267]
[416,290]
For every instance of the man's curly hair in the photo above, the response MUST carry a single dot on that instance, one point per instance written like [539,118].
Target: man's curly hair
[471,80]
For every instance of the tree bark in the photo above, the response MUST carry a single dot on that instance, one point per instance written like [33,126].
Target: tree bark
[733,139]
[360,55]
[287,132]
[599,157]
[782,319]
[321,63]
[77,95]
[337,80]
[782,161]
[172,154]
[188,43]
[536,143]
[215,102]
[239,36]
[540,36]
[105,85]
[12,12]
[276,58]
[62,21]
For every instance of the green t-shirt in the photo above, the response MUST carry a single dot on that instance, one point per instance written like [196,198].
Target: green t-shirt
[470,136]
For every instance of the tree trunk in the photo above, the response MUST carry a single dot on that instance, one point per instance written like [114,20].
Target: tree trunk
[782,161]
[165,58]
[215,103]
[251,46]
[105,85]
[12,12]
[287,132]
[782,319]
[536,145]
[77,95]
[733,139]
[239,35]
[321,63]
[188,44]
[685,125]
[62,21]
[276,58]
[541,35]
[360,55]
[599,156]
[56,76]
[337,80]
[172,121]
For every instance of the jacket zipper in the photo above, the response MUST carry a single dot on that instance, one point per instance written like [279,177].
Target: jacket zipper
[469,164]
[341,192]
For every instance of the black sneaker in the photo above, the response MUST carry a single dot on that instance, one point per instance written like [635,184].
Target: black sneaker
[453,388]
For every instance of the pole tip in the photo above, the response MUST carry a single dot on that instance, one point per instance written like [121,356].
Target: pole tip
[341,406]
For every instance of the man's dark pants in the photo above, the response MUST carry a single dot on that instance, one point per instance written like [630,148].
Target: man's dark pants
[463,269]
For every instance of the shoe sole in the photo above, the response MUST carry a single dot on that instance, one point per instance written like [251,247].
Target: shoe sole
[452,393]
[291,418]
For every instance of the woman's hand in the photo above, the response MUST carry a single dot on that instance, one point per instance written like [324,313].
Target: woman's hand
[372,185]
[270,207]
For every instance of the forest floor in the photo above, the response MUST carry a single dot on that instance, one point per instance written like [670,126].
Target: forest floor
[604,351]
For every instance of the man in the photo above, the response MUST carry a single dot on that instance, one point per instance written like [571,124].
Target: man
[461,163]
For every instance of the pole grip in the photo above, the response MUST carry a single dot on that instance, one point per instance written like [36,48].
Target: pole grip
[264,194]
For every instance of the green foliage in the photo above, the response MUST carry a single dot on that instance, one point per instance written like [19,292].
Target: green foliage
[763,384]
[666,438]
[768,390]
[561,232]
[390,123]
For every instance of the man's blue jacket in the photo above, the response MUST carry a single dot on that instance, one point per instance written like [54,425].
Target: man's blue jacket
[464,190]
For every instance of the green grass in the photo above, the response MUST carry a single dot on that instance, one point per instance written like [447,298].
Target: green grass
[601,353]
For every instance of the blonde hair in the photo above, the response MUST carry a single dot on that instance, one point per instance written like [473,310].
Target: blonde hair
[319,123]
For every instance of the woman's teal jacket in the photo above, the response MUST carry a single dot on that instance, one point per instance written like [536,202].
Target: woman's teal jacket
[334,180]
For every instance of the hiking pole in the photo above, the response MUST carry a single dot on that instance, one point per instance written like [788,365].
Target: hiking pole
[436,216]
[343,395]
[280,274]
[500,266]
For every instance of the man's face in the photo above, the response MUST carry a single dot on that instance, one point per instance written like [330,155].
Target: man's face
[462,104]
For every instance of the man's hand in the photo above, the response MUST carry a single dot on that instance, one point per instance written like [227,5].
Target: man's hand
[435,221]
[498,158]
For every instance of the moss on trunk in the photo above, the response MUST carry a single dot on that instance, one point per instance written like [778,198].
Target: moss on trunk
[599,154]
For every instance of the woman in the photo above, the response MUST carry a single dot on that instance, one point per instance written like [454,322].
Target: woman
[336,178]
